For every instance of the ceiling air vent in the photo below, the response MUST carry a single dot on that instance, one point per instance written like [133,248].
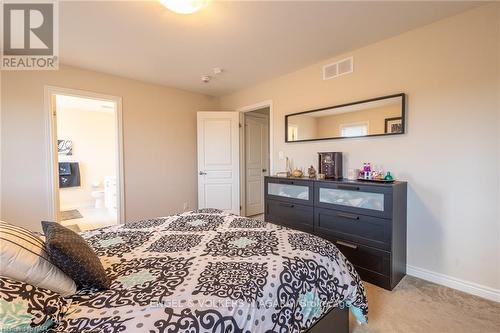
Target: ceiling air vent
[341,67]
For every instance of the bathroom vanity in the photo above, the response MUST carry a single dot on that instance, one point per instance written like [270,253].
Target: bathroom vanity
[366,221]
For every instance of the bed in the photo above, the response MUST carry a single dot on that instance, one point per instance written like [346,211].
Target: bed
[210,271]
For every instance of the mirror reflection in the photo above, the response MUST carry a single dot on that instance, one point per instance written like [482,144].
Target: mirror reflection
[380,116]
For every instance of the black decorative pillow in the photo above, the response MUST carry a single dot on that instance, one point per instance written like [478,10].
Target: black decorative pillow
[71,253]
[26,308]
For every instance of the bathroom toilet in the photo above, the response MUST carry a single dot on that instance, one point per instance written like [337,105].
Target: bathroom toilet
[105,198]
[99,198]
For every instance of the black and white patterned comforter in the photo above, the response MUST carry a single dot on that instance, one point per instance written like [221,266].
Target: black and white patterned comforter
[208,271]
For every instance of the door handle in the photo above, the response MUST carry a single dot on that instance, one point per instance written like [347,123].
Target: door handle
[348,216]
[264,170]
[348,188]
[349,245]
[202,173]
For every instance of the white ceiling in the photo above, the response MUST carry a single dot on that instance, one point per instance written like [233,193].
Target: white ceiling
[252,41]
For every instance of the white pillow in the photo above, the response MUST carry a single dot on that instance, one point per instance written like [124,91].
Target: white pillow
[23,258]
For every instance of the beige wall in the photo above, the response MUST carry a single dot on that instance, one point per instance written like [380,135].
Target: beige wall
[449,155]
[159,126]
[93,134]
[329,127]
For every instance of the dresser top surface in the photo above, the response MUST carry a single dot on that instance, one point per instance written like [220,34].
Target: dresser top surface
[342,181]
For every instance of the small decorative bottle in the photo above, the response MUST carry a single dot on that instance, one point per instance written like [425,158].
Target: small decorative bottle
[388,176]
[368,171]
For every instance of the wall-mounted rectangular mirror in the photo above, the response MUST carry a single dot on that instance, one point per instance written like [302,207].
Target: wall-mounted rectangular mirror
[373,117]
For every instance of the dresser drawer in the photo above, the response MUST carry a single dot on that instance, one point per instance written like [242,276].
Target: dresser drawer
[364,258]
[290,215]
[290,190]
[356,198]
[366,230]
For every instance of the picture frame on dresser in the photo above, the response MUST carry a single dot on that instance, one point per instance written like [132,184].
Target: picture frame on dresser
[366,221]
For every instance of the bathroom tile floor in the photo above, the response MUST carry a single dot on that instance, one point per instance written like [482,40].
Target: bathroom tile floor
[93,218]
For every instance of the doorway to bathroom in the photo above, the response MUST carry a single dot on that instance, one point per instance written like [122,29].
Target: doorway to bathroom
[86,167]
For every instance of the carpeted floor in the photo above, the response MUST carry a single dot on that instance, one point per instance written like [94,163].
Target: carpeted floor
[420,306]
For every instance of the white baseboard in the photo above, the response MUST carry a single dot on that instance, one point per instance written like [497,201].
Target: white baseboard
[458,284]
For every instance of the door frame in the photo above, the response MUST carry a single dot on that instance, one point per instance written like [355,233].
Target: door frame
[242,111]
[51,144]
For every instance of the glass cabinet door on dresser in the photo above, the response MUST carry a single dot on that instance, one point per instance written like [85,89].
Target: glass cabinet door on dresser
[299,191]
[355,198]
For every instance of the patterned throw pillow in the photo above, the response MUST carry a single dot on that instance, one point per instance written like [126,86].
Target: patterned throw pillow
[26,308]
[71,253]
[23,258]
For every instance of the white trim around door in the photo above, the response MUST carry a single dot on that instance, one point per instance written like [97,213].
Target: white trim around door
[241,111]
[51,144]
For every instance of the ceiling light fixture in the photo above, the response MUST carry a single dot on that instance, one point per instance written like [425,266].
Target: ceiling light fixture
[185,6]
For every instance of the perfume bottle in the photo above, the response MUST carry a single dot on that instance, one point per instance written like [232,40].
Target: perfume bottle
[388,176]
[367,171]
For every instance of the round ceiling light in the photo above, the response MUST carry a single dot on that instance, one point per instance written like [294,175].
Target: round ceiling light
[185,6]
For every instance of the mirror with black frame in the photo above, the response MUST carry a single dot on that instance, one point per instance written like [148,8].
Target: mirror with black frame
[373,117]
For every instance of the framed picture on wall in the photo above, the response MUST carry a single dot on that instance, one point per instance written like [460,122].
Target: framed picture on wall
[394,125]
[65,147]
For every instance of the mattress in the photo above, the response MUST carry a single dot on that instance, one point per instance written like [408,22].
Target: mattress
[210,271]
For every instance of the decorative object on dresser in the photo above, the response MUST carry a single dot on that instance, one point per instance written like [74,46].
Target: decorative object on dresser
[367,221]
[353,174]
[311,172]
[374,174]
[297,173]
[287,171]
[330,164]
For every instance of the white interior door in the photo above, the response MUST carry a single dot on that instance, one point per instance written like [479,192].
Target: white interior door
[218,161]
[256,161]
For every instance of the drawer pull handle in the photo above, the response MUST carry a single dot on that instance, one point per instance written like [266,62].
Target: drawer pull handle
[349,188]
[286,182]
[287,205]
[348,216]
[349,245]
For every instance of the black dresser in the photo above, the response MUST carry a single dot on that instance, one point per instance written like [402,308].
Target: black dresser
[367,221]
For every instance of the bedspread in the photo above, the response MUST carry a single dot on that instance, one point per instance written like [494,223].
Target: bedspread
[210,271]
